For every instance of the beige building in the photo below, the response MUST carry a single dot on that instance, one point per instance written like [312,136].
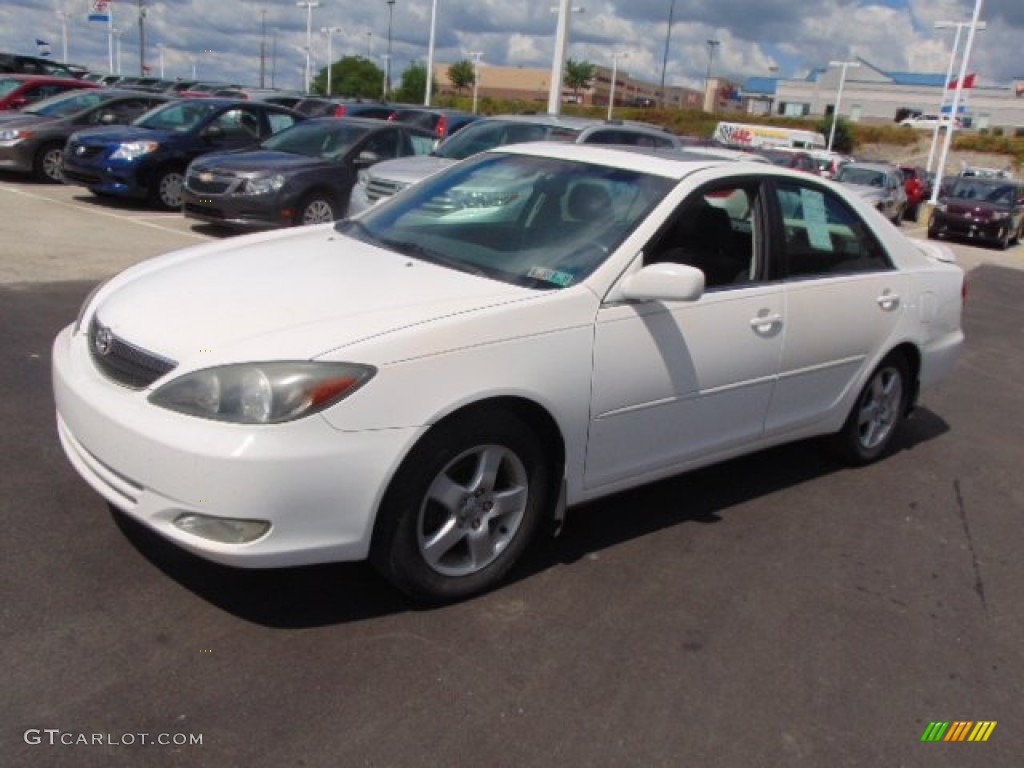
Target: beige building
[532,84]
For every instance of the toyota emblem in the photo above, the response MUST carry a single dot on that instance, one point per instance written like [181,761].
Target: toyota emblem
[103,341]
[79,150]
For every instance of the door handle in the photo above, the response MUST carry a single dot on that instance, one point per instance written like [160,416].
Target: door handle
[888,301]
[765,323]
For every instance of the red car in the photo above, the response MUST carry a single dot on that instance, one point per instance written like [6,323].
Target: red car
[918,187]
[17,91]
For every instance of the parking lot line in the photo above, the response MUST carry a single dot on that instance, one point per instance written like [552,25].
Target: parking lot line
[141,221]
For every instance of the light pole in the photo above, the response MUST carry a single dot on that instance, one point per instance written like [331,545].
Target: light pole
[839,97]
[263,47]
[63,16]
[387,70]
[142,38]
[712,44]
[954,109]
[959,26]
[664,58]
[384,81]
[430,56]
[309,5]
[330,32]
[476,74]
[615,75]
[193,60]
[160,50]
[117,47]
[565,7]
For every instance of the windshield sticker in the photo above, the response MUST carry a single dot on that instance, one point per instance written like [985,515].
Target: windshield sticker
[561,279]
[816,219]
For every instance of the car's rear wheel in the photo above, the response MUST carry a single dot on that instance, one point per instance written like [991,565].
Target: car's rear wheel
[167,189]
[317,208]
[1004,239]
[462,508]
[48,166]
[875,418]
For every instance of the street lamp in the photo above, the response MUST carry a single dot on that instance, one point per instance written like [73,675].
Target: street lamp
[615,75]
[954,109]
[63,16]
[664,58]
[160,50]
[117,47]
[369,45]
[959,27]
[565,7]
[387,71]
[839,97]
[263,47]
[309,5]
[712,45]
[476,74]
[430,56]
[330,32]
[142,38]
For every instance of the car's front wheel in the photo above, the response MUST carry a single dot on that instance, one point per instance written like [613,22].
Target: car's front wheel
[167,189]
[880,407]
[316,209]
[49,164]
[462,508]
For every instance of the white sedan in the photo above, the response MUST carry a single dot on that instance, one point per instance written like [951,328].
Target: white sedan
[538,326]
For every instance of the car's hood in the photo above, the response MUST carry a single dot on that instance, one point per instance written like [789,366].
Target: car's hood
[256,160]
[120,134]
[284,295]
[22,120]
[409,170]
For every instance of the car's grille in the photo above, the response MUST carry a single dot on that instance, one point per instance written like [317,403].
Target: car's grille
[83,151]
[210,183]
[125,363]
[378,188]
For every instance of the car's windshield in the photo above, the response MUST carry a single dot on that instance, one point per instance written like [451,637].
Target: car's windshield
[317,139]
[178,116]
[971,189]
[866,177]
[488,134]
[540,222]
[69,103]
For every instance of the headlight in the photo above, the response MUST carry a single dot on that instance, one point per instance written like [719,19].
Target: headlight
[13,134]
[1000,215]
[133,149]
[263,185]
[262,393]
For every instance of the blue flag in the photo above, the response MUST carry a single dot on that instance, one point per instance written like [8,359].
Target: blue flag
[43,46]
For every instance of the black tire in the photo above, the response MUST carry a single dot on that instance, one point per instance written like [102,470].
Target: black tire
[492,472]
[316,208]
[1004,240]
[47,165]
[167,192]
[876,415]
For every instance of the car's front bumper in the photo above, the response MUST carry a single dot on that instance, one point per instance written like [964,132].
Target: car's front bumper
[317,487]
[238,211]
[16,156]
[955,225]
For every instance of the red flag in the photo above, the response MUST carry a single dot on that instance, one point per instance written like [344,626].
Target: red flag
[968,81]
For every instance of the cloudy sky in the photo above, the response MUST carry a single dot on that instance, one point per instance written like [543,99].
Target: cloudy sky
[755,35]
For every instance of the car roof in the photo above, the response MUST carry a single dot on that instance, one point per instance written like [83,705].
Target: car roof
[882,167]
[669,163]
[44,78]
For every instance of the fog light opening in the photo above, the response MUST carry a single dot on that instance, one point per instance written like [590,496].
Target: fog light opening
[225,530]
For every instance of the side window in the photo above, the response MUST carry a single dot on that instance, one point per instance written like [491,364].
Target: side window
[232,124]
[824,237]
[279,121]
[714,230]
[384,144]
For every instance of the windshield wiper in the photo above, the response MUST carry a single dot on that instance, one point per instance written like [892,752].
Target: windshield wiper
[426,254]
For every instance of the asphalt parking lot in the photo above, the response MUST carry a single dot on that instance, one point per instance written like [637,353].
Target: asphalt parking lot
[778,610]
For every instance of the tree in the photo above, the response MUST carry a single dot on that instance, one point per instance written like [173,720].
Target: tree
[413,87]
[354,76]
[462,74]
[842,142]
[578,76]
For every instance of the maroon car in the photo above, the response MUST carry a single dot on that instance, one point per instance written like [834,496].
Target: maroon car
[17,91]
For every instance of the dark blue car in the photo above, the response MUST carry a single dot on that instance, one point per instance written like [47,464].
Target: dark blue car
[147,160]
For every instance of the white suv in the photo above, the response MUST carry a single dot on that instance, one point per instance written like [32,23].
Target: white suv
[930,121]
[385,179]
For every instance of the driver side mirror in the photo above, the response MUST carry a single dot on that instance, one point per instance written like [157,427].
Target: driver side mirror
[664,281]
[367,158]
[108,118]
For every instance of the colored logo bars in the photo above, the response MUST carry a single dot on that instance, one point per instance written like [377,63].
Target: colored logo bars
[959,730]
